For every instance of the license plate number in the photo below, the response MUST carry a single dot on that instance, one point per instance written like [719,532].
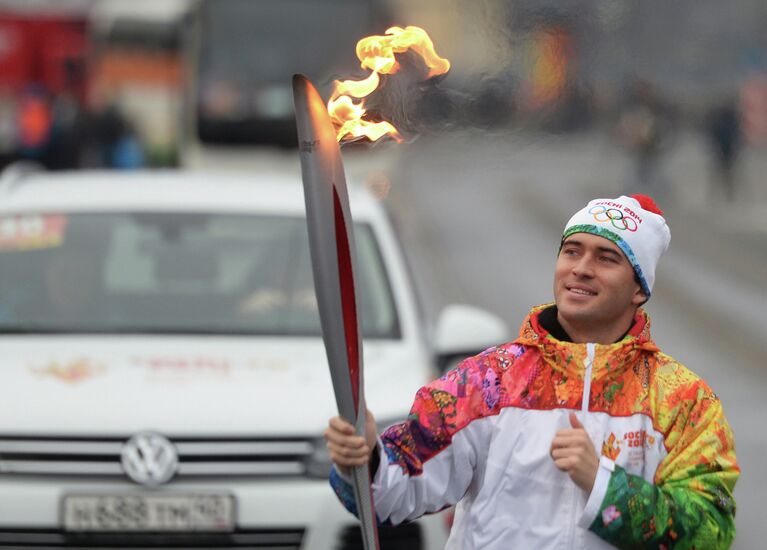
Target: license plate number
[161,512]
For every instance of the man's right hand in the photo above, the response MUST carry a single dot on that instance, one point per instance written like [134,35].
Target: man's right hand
[347,449]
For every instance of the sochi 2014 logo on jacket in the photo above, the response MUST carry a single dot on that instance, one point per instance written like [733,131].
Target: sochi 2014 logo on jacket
[634,441]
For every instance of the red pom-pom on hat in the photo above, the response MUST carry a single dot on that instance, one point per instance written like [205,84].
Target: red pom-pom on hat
[647,203]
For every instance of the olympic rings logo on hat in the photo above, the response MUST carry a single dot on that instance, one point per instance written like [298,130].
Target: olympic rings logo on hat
[615,216]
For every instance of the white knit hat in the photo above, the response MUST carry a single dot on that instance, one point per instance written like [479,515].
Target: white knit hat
[633,223]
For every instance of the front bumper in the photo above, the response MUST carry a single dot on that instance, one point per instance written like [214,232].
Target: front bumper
[297,514]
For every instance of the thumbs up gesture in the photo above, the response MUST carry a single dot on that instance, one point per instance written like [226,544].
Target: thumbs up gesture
[573,452]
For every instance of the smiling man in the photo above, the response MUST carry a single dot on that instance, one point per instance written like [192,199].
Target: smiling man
[579,434]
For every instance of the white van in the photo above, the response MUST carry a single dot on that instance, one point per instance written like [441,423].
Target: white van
[164,381]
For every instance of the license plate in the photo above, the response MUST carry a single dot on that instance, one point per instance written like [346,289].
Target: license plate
[148,512]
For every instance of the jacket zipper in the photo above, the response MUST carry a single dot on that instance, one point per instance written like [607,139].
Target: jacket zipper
[588,363]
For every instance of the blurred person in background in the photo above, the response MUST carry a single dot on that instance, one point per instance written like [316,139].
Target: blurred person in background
[67,133]
[581,433]
[645,128]
[68,125]
[34,121]
[725,139]
[8,128]
[112,141]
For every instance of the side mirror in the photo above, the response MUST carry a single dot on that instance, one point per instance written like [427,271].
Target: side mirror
[463,331]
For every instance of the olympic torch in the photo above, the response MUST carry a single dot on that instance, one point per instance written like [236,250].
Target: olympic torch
[331,245]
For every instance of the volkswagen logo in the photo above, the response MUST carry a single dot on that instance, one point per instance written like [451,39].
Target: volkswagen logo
[149,459]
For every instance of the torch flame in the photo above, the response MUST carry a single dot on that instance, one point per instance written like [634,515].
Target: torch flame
[376,53]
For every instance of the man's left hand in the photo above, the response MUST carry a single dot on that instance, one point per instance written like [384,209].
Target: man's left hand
[574,453]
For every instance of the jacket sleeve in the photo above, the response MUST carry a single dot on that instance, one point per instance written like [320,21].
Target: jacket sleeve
[690,504]
[427,463]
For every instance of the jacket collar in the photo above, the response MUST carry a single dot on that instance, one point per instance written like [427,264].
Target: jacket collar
[569,357]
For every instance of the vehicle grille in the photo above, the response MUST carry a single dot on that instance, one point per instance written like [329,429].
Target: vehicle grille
[407,536]
[261,539]
[197,457]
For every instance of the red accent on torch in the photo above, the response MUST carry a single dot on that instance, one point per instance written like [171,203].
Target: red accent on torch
[348,300]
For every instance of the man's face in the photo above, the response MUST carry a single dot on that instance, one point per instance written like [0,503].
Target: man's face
[594,283]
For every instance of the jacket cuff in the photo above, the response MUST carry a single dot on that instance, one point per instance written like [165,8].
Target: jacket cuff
[342,476]
[598,492]
[377,465]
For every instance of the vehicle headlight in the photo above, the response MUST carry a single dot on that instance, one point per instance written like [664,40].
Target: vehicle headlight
[318,464]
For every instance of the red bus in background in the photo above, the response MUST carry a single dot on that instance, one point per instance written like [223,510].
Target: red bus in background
[42,68]
[48,50]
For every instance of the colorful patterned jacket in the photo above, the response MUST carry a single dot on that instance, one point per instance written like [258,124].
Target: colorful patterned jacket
[480,436]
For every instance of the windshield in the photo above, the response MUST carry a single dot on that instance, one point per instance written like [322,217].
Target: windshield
[175,273]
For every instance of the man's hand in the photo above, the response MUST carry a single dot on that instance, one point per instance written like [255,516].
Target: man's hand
[574,453]
[346,448]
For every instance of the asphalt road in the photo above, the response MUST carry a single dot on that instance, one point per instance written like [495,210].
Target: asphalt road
[481,218]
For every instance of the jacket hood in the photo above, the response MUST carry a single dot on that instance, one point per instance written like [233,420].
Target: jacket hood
[568,357]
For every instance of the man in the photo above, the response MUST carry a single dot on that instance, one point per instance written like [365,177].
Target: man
[579,434]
